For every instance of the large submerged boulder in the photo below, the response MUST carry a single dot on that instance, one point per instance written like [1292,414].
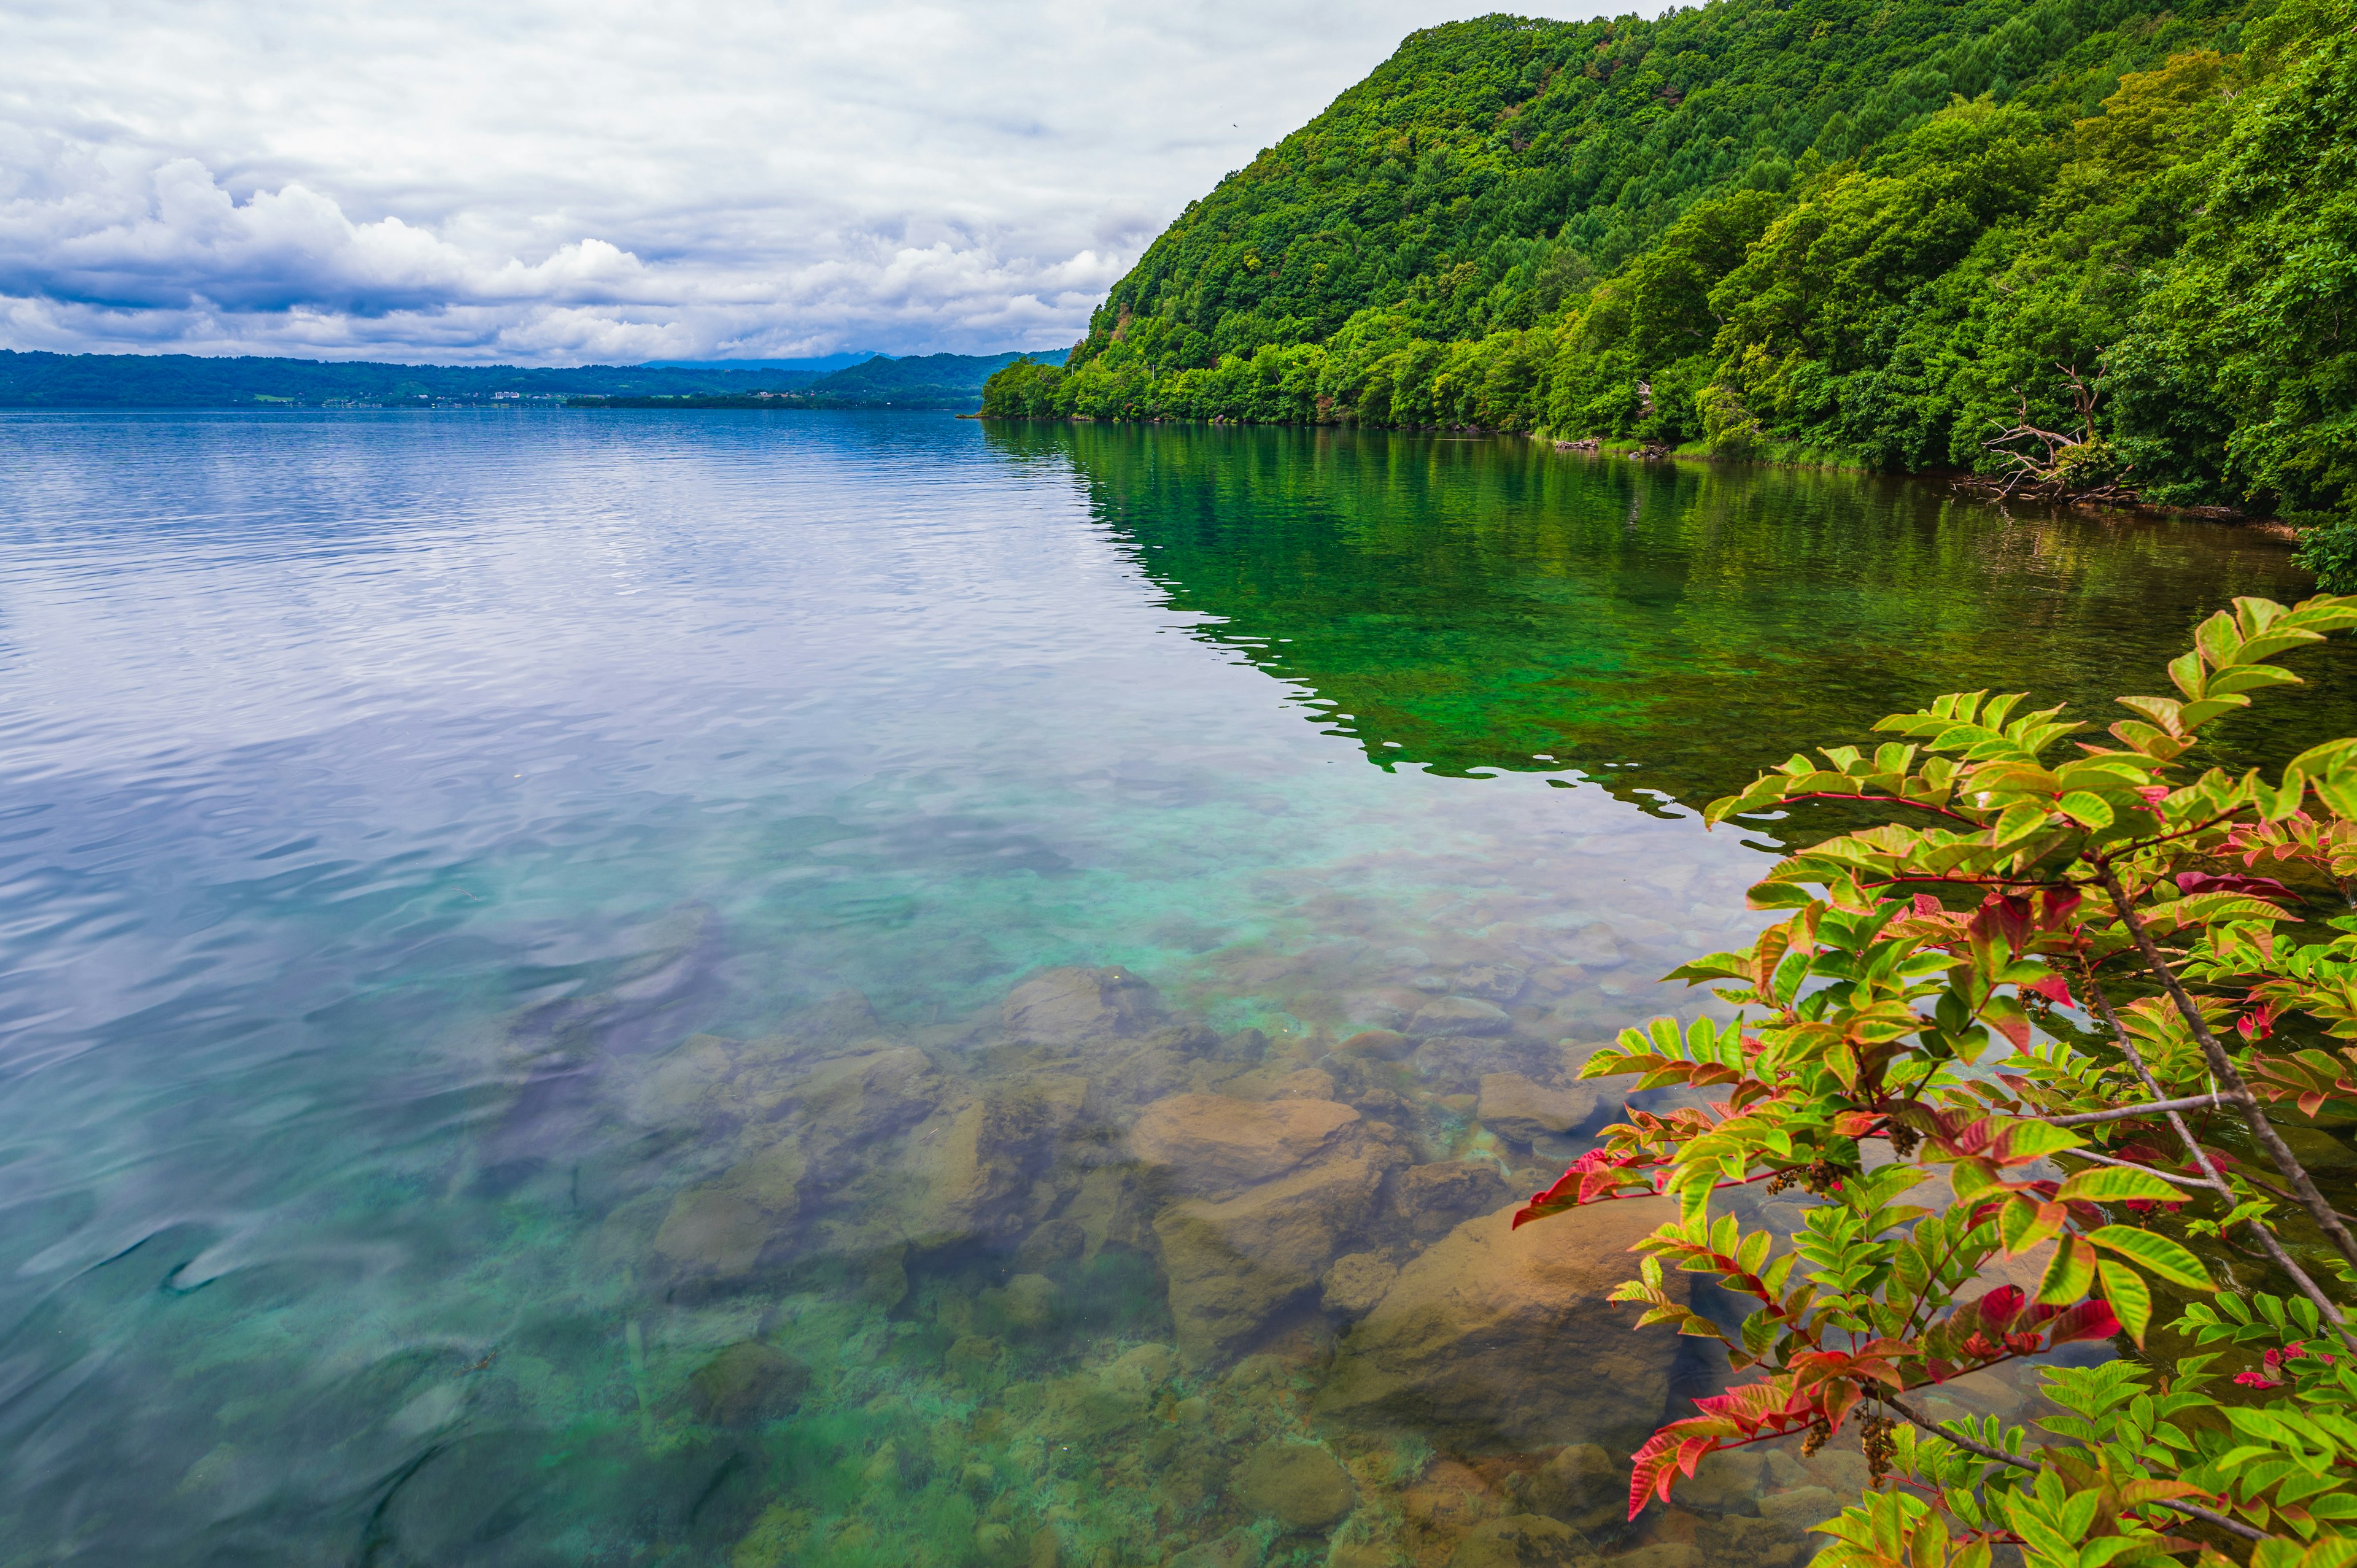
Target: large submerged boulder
[1458,1015]
[1076,1006]
[1235,1264]
[1498,1337]
[1522,1112]
[746,1383]
[1523,1540]
[1297,1483]
[1432,1200]
[1210,1143]
[981,1170]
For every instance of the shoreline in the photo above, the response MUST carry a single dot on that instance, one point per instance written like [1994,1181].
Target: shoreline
[2268,527]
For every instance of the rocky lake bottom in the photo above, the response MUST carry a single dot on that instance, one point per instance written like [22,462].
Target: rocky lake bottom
[1082,1281]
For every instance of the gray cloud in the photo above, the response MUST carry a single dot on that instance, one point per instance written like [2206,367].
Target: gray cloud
[542,182]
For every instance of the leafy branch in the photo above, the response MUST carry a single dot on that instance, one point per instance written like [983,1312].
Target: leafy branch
[1944,988]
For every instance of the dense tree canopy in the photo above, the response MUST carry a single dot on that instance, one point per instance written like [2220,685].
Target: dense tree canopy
[1873,233]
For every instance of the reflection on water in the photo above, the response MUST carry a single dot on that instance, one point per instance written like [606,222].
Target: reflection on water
[1490,604]
[790,990]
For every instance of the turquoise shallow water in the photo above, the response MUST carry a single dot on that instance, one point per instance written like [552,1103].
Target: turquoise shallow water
[497,911]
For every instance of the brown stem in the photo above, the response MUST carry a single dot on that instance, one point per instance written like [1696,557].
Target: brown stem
[2132,1165]
[2231,1526]
[2193,1102]
[1884,801]
[2233,1089]
[2266,1238]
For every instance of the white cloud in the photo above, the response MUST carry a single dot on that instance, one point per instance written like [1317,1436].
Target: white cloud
[544,182]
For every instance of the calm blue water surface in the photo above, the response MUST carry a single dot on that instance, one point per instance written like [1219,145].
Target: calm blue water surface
[386,798]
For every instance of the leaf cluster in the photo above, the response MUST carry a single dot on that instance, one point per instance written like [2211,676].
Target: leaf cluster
[2004,1161]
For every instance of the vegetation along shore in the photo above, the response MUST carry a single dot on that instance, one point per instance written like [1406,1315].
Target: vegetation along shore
[2083,249]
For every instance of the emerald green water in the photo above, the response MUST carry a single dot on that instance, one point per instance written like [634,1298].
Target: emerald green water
[513,931]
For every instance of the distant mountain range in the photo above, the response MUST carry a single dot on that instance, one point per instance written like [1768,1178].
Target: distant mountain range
[187,380]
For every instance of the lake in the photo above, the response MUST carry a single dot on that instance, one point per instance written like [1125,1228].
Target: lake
[872,989]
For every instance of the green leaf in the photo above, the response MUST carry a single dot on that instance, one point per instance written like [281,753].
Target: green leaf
[2130,1297]
[2069,1274]
[2017,822]
[2185,669]
[2023,1141]
[2024,1223]
[1714,966]
[2087,810]
[1774,895]
[2154,1254]
[2113,1184]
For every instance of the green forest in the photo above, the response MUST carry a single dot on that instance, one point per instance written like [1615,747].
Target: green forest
[2089,245]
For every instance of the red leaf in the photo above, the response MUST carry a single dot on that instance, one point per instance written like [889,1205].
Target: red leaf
[1999,1306]
[2001,918]
[2054,988]
[1595,1171]
[2087,1320]
[2192,882]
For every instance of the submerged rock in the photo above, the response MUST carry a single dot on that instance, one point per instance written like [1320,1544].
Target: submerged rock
[1432,1200]
[1522,1541]
[992,1152]
[1737,1542]
[1029,1301]
[1109,1211]
[1489,981]
[690,1082]
[1522,1112]
[1299,1487]
[1056,1242]
[1240,1548]
[839,1016]
[1233,1265]
[1461,1061]
[1356,1282]
[1729,1481]
[1209,1143]
[876,1092]
[712,1230]
[747,1382]
[1377,1044]
[1075,1006]
[1494,1337]
[1799,1507]
[1582,1486]
[1458,1015]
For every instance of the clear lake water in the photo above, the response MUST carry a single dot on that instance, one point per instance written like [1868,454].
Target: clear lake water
[875,989]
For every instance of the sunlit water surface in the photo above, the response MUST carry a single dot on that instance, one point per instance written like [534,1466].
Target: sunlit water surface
[512,927]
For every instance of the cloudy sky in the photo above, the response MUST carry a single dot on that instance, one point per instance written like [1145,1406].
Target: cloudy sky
[595,180]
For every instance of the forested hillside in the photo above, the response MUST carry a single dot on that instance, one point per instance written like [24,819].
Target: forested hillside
[1879,234]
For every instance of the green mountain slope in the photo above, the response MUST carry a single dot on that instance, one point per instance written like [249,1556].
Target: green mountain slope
[1857,231]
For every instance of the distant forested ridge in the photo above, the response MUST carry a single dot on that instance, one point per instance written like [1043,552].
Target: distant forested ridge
[190,380]
[1843,229]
